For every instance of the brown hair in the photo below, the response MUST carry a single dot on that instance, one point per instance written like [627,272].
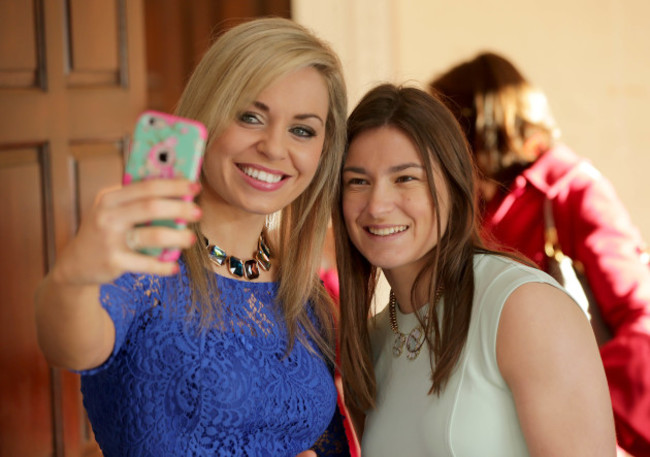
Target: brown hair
[498,108]
[441,145]
[237,67]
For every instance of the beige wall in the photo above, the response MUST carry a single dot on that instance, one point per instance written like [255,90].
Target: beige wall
[592,57]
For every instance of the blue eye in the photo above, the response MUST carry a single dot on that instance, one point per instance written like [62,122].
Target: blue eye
[249,118]
[304,132]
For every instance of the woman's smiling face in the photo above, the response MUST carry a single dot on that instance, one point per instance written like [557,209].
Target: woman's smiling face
[387,204]
[268,156]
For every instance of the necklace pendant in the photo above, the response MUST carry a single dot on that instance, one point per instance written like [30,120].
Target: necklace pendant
[264,262]
[415,339]
[217,255]
[414,343]
[398,344]
[413,355]
[251,270]
[235,266]
[263,254]
[263,249]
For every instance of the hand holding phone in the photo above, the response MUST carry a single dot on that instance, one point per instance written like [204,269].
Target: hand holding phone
[165,146]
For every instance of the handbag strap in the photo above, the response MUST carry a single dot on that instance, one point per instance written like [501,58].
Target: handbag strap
[551,243]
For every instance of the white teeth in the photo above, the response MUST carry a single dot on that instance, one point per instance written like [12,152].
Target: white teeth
[388,230]
[261,175]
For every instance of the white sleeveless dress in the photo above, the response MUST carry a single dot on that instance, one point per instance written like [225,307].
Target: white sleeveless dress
[475,414]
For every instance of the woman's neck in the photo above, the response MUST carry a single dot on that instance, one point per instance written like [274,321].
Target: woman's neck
[401,283]
[236,232]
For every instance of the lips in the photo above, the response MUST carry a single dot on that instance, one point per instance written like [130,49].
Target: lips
[261,175]
[386,231]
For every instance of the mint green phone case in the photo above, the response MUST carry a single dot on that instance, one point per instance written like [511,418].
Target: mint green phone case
[165,146]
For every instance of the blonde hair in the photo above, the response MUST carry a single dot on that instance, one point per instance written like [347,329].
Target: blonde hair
[238,66]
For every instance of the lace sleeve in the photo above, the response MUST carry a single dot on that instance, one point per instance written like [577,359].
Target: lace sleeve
[333,442]
[122,300]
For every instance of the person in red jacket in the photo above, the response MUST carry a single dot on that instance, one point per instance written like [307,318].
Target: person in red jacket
[516,144]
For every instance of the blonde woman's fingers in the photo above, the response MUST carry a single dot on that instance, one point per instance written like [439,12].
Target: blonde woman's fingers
[150,189]
[143,263]
[110,223]
[158,237]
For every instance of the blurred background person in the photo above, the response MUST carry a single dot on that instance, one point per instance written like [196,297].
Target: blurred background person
[516,144]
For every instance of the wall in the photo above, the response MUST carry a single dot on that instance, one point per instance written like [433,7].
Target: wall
[591,57]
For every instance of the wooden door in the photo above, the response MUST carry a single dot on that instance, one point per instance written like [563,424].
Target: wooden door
[72,81]
[178,32]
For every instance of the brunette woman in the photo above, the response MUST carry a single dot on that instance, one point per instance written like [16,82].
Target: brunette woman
[477,353]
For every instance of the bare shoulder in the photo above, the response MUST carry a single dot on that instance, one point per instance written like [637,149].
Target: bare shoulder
[544,301]
[548,356]
[541,319]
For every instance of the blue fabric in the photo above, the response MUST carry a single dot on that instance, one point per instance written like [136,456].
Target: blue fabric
[170,389]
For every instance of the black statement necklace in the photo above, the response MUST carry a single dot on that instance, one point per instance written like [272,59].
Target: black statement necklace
[248,268]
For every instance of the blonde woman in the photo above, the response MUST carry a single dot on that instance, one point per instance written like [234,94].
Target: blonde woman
[187,358]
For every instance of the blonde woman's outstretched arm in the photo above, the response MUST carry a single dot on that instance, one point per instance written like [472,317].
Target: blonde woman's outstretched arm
[74,331]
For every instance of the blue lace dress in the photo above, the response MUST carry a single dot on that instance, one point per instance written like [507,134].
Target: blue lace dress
[169,389]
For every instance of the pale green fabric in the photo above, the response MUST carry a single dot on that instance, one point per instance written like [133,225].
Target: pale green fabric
[475,415]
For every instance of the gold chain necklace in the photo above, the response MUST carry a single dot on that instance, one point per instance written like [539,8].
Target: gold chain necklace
[248,268]
[414,340]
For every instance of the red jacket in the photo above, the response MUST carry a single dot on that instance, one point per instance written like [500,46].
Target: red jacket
[595,229]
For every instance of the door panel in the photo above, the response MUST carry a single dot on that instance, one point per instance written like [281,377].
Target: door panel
[73,79]
[179,32]
[72,82]
[21,22]
[26,415]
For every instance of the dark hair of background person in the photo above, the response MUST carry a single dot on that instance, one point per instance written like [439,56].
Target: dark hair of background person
[498,108]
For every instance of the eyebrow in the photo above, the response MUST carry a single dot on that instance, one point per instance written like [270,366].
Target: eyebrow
[300,117]
[394,169]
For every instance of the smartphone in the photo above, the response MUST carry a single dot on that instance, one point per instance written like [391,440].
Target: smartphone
[165,146]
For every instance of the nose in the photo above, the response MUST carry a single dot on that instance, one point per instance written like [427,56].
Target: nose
[381,200]
[272,143]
